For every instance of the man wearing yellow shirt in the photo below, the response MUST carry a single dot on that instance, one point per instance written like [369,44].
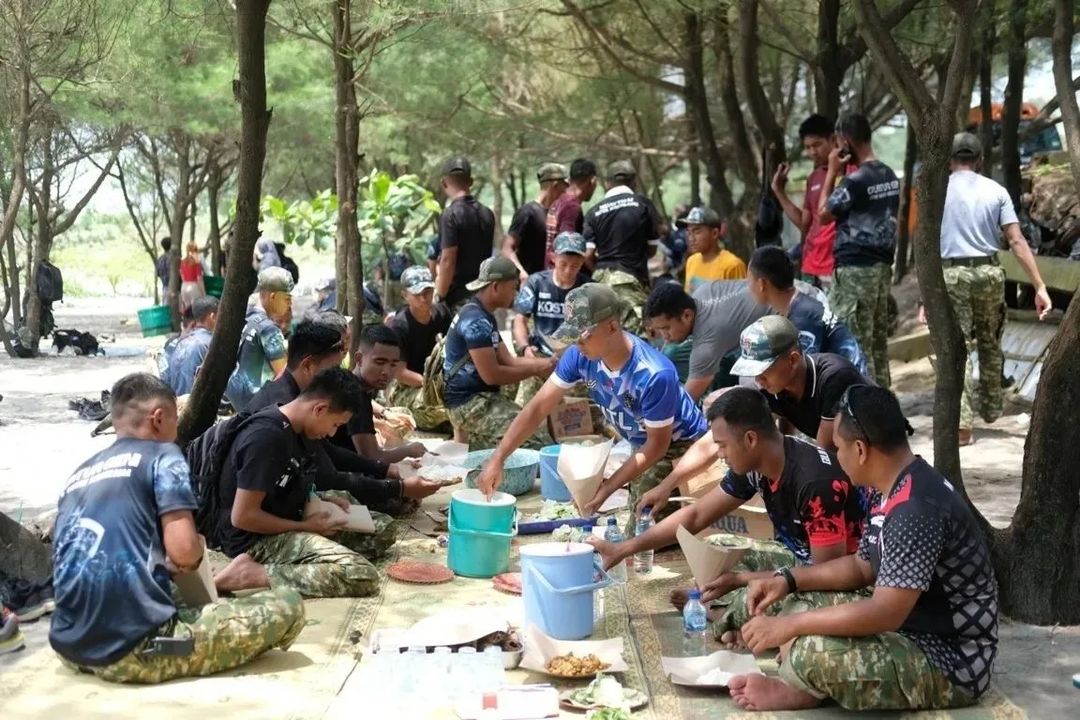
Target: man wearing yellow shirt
[708,261]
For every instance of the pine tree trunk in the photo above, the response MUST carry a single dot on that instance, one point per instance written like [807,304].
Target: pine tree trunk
[179,219]
[1037,559]
[1063,69]
[903,229]
[347,126]
[830,68]
[214,181]
[1014,98]
[986,89]
[250,90]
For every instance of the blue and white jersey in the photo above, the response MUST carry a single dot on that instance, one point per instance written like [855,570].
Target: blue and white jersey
[644,393]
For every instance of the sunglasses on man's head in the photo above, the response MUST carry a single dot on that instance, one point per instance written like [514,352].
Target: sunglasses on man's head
[846,408]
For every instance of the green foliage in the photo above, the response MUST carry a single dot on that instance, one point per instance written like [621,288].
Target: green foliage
[303,220]
[392,214]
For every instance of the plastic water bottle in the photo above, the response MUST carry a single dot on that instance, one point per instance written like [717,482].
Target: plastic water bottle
[493,673]
[466,675]
[643,561]
[614,536]
[695,624]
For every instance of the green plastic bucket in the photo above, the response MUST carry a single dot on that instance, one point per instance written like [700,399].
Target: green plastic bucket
[155,320]
[214,285]
[480,533]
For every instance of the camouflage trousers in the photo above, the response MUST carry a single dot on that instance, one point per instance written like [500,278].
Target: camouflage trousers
[860,298]
[227,634]
[877,672]
[978,298]
[316,566]
[653,477]
[374,546]
[631,292]
[427,417]
[485,418]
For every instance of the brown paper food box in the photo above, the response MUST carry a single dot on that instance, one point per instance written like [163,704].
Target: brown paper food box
[750,519]
[571,418]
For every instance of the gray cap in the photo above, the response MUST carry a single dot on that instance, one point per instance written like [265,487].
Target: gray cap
[762,343]
[275,279]
[965,143]
[700,216]
[457,165]
[417,279]
[551,171]
[621,171]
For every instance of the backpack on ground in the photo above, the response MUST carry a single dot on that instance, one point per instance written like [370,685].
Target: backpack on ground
[431,392]
[206,458]
[50,282]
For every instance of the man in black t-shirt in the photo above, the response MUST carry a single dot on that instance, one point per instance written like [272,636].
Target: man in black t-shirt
[466,234]
[526,240]
[418,325]
[623,232]
[864,206]
[817,513]
[264,488]
[124,526]
[927,636]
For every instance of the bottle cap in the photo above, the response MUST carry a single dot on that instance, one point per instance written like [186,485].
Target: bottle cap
[695,594]
[647,510]
[490,701]
[611,520]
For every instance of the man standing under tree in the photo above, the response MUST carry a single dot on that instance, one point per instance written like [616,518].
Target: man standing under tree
[977,211]
[864,206]
[816,135]
[526,240]
[566,215]
[623,232]
[466,234]
[708,261]
[927,636]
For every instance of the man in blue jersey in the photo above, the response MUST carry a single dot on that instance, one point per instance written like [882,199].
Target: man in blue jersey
[635,385]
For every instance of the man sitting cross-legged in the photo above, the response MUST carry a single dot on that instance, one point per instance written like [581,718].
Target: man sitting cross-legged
[814,508]
[125,525]
[927,637]
[265,483]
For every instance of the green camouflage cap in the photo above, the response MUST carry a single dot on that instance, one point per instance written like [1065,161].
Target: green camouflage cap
[569,242]
[417,279]
[965,143]
[275,279]
[494,269]
[621,171]
[761,343]
[585,308]
[551,171]
[700,216]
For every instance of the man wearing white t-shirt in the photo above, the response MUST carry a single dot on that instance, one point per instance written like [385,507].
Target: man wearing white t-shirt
[977,212]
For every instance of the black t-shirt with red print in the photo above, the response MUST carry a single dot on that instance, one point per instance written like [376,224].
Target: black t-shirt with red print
[811,504]
[923,537]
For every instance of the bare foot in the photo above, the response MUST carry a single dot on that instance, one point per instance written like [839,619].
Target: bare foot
[758,692]
[243,573]
[732,640]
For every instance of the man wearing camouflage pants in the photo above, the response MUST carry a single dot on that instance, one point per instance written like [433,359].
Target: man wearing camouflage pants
[265,485]
[864,206]
[124,526]
[623,232]
[635,386]
[977,211]
[926,637]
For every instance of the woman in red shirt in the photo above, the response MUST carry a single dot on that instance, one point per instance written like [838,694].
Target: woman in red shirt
[191,278]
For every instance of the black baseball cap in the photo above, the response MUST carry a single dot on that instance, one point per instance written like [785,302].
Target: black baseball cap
[457,165]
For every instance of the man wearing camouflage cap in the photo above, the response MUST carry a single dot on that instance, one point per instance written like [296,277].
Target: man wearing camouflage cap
[977,211]
[477,363]
[525,241]
[418,324]
[635,385]
[541,298]
[261,357]
[623,232]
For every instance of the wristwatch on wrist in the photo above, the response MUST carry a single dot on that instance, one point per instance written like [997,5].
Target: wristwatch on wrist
[785,572]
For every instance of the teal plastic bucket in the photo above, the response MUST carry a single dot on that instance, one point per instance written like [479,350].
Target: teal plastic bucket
[480,533]
[557,585]
[156,320]
[551,485]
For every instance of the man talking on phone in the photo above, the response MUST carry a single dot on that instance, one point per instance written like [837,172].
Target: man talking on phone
[864,206]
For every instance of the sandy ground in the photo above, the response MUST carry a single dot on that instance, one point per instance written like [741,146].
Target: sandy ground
[42,441]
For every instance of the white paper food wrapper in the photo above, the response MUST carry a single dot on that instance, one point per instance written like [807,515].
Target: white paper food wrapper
[197,587]
[540,649]
[714,670]
[706,561]
[358,519]
[448,453]
[581,468]
[620,453]
[454,626]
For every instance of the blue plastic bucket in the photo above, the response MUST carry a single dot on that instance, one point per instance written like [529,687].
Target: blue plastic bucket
[480,533]
[551,485]
[557,586]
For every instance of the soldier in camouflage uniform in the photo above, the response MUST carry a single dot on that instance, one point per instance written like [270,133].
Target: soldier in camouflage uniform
[477,366]
[927,635]
[977,211]
[644,402]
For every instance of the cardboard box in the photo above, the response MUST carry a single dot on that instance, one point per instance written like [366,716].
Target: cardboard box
[571,417]
[699,485]
[750,520]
